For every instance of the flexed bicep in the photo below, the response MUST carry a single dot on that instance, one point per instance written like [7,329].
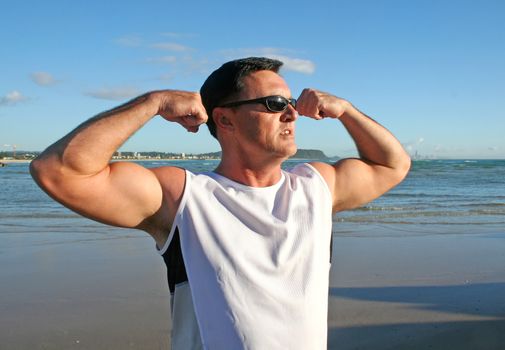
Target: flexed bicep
[122,194]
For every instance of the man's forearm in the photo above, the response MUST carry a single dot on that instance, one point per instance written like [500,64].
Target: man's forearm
[374,142]
[89,148]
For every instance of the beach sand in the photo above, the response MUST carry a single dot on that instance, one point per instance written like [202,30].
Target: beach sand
[420,292]
[387,291]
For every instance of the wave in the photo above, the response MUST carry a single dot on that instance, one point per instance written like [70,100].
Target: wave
[35,215]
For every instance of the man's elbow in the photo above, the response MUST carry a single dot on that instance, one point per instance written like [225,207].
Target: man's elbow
[402,167]
[44,172]
[37,171]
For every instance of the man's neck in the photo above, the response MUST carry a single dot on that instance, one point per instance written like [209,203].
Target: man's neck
[250,173]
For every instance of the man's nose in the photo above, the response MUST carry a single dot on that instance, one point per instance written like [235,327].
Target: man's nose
[289,115]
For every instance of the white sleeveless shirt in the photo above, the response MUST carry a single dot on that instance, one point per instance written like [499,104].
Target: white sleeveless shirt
[258,259]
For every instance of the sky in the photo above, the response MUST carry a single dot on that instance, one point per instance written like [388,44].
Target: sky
[432,72]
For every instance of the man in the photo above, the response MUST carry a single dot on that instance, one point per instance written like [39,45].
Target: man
[255,240]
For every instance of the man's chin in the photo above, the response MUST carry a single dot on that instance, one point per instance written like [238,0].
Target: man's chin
[289,152]
[294,149]
[284,151]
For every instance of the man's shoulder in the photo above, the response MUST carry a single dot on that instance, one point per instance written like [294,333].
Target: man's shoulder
[304,169]
[314,173]
[320,168]
[172,180]
[169,173]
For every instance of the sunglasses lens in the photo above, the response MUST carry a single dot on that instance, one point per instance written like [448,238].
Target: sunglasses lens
[277,103]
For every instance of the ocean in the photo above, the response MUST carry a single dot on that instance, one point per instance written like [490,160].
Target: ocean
[437,197]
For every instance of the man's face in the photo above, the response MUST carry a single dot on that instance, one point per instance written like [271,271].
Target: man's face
[258,129]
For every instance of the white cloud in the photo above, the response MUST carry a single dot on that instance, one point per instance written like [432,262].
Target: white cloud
[116,94]
[12,98]
[43,78]
[295,64]
[290,63]
[129,41]
[163,59]
[171,47]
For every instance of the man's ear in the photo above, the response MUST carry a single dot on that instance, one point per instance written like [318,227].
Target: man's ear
[223,119]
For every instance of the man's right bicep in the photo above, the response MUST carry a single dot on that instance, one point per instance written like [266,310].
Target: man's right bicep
[122,194]
[139,194]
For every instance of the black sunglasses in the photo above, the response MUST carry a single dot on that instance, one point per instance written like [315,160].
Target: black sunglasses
[274,103]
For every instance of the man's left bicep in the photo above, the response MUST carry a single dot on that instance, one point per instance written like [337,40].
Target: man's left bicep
[354,182]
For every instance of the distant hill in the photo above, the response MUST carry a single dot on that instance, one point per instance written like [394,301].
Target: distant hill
[310,154]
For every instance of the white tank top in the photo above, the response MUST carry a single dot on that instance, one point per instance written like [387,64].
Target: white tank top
[257,259]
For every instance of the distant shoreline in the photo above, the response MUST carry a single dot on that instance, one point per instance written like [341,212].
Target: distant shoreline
[13,161]
[24,161]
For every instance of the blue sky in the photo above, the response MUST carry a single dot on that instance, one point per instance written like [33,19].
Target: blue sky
[433,72]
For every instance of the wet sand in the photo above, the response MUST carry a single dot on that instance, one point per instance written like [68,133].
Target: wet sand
[423,292]
[108,291]
[91,292]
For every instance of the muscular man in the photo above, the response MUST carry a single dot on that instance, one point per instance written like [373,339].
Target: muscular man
[254,239]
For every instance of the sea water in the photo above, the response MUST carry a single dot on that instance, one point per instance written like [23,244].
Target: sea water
[437,197]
